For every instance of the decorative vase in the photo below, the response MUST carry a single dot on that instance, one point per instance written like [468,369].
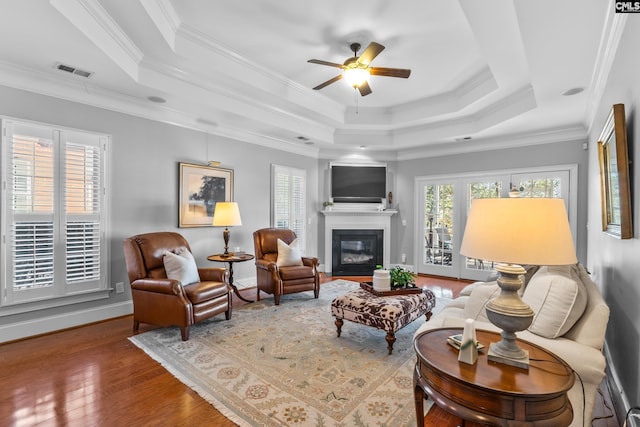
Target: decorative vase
[468,350]
[381,280]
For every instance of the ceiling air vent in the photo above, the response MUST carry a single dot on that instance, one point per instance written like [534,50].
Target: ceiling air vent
[73,70]
[305,140]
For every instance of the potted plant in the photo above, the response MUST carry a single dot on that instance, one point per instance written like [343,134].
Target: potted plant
[327,205]
[401,277]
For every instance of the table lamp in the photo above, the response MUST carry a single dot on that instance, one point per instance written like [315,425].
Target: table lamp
[513,232]
[226,214]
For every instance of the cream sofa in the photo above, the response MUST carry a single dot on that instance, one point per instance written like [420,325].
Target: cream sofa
[571,320]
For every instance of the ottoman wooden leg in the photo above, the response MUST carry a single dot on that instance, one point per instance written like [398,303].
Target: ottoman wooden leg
[391,338]
[428,316]
[339,324]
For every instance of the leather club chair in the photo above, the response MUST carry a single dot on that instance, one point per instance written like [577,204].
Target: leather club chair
[165,302]
[282,280]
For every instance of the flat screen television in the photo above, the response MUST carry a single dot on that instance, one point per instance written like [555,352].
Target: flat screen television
[358,184]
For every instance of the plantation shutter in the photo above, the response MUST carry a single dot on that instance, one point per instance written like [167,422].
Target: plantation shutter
[54,213]
[281,197]
[289,200]
[82,207]
[32,191]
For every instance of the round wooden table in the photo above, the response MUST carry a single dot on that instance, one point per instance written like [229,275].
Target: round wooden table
[489,392]
[231,259]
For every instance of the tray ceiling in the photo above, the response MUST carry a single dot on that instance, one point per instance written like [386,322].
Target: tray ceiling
[484,74]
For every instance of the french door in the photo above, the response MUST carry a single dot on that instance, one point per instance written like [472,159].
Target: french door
[444,202]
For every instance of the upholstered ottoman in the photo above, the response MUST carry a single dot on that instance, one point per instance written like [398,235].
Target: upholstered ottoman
[389,313]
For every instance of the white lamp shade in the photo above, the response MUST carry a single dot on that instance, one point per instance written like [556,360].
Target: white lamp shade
[519,231]
[226,214]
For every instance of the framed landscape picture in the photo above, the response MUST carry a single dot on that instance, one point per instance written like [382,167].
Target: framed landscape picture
[613,155]
[201,187]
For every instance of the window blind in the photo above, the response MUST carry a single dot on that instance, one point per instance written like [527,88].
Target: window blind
[289,200]
[55,215]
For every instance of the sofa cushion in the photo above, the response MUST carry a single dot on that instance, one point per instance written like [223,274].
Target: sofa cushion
[591,327]
[288,255]
[481,294]
[558,299]
[181,266]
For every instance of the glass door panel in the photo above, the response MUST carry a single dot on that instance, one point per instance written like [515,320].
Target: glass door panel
[554,184]
[542,184]
[444,203]
[439,254]
[480,188]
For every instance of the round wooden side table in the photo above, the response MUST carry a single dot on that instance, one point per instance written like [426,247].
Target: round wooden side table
[231,259]
[489,392]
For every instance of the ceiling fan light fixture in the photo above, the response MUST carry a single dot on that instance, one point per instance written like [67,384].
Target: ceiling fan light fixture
[356,76]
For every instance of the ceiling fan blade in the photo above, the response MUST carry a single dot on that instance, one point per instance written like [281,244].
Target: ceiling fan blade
[321,62]
[328,82]
[390,72]
[364,88]
[370,53]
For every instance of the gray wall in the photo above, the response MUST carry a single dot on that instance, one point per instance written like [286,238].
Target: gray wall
[144,181]
[616,263]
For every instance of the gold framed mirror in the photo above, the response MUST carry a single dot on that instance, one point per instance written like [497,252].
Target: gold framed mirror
[614,175]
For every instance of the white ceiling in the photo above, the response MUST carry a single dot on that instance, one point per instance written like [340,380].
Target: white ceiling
[491,70]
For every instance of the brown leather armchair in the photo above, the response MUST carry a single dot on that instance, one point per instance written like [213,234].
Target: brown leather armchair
[165,302]
[282,280]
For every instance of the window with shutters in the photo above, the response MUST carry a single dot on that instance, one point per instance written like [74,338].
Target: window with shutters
[53,214]
[289,199]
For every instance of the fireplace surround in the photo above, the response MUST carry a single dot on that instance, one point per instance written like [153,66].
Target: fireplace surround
[356,219]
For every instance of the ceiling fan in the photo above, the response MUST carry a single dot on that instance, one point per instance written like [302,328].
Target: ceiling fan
[356,70]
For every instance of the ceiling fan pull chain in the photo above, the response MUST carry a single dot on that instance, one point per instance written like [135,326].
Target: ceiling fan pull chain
[355,95]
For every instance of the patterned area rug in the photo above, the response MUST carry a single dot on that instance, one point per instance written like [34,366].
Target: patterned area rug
[284,365]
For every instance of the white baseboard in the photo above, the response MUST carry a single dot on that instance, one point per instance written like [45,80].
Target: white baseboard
[43,325]
[621,397]
[409,267]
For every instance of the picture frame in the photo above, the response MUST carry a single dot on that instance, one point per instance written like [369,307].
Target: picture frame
[201,187]
[613,155]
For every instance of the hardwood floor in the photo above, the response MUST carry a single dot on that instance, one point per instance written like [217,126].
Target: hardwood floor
[93,376]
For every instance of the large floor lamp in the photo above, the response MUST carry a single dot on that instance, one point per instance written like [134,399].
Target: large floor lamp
[516,232]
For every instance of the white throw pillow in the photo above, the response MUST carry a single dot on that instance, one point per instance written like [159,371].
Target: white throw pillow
[558,298]
[288,255]
[481,294]
[181,266]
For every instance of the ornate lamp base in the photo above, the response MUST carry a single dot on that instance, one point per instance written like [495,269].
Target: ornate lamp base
[511,314]
[225,236]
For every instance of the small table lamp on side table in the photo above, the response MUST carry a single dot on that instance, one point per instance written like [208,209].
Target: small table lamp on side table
[226,214]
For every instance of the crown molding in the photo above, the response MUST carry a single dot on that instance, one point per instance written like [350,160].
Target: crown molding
[466,92]
[73,90]
[611,37]
[576,133]
[518,102]
[201,91]
[267,141]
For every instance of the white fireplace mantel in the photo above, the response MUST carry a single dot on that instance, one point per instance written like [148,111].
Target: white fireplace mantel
[353,219]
